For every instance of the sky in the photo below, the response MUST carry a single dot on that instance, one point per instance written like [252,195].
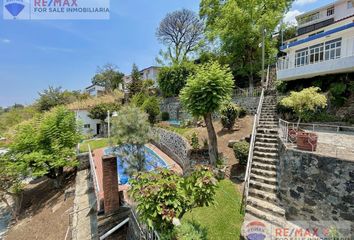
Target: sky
[35,54]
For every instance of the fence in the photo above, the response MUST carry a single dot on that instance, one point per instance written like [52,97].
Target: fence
[334,137]
[94,178]
[138,231]
[246,92]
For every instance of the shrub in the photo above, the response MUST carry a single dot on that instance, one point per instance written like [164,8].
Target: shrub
[229,113]
[194,141]
[152,107]
[189,231]
[139,99]
[242,112]
[165,116]
[163,195]
[337,91]
[241,151]
[280,86]
[172,79]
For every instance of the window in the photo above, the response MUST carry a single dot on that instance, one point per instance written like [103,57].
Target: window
[87,126]
[301,57]
[350,4]
[316,53]
[333,49]
[330,11]
[309,18]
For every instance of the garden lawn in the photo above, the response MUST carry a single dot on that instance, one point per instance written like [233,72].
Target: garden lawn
[94,144]
[223,220]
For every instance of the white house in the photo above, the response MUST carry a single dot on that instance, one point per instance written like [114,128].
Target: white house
[90,126]
[95,90]
[150,73]
[324,43]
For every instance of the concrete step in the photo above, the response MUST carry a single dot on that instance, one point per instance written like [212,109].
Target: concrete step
[262,172]
[266,149]
[265,166]
[272,126]
[266,140]
[262,179]
[273,161]
[263,186]
[266,196]
[266,207]
[267,131]
[267,135]
[268,118]
[265,144]
[265,154]
[264,216]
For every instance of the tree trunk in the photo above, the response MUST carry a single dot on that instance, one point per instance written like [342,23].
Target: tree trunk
[251,84]
[213,142]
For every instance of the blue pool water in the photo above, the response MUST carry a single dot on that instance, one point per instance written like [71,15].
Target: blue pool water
[174,122]
[153,161]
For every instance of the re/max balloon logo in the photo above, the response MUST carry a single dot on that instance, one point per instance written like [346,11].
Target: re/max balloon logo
[14,7]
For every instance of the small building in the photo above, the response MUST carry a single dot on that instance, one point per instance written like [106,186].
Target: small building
[90,126]
[95,90]
[324,43]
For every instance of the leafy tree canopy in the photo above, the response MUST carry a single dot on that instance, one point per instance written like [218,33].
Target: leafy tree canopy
[136,84]
[172,79]
[305,101]
[46,143]
[109,77]
[238,26]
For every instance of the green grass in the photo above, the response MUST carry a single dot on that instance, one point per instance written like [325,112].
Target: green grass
[94,144]
[222,220]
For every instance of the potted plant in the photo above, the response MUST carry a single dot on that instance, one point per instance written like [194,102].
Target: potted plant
[307,100]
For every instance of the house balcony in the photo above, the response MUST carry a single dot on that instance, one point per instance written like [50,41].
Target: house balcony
[308,65]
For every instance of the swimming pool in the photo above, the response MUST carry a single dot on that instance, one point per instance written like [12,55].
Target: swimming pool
[174,122]
[153,161]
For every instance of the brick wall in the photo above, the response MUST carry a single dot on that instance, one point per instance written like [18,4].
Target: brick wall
[110,184]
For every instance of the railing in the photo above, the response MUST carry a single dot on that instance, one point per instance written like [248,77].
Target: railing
[340,141]
[94,178]
[246,92]
[138,231]
[268,75]
[251,149]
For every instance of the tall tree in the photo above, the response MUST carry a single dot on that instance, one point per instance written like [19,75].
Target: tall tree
[131,131]
[109,77]
[136,84]
[47,144]
[204,94]
[238,25]
[181,32]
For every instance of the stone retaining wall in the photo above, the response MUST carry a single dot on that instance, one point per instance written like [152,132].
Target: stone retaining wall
[315,187]
[248,103]
[173,145]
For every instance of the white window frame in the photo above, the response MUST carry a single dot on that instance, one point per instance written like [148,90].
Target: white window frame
[333,49]
[349,4]
[301,57]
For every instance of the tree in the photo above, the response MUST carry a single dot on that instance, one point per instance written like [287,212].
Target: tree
[204,94]
[238,27]
[136,84]
[152,107]
[229,114]
[53,97]
[163,196]
[131,131]
[181,32]
[305,101]
[100,112]
[47,144]
[109,77]
[10,183]
[172,79]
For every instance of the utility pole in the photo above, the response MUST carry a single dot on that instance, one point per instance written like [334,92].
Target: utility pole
[109,123]
[263,54]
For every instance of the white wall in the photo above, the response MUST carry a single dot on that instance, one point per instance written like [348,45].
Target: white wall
[82,116]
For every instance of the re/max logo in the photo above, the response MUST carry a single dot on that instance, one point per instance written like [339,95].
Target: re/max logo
[55,3]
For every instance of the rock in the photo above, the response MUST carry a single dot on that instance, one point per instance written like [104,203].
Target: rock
[231,143]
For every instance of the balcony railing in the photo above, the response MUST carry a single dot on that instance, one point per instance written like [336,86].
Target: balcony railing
[290,61]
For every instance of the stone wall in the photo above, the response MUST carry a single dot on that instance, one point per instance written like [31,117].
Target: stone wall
[173,145]
[315,187]
[249,103]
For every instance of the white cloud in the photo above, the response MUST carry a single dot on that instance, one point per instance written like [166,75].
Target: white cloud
[5,40]
[289,17]
[304,2]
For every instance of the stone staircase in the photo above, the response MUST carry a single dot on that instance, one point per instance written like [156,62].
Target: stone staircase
[262,202]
